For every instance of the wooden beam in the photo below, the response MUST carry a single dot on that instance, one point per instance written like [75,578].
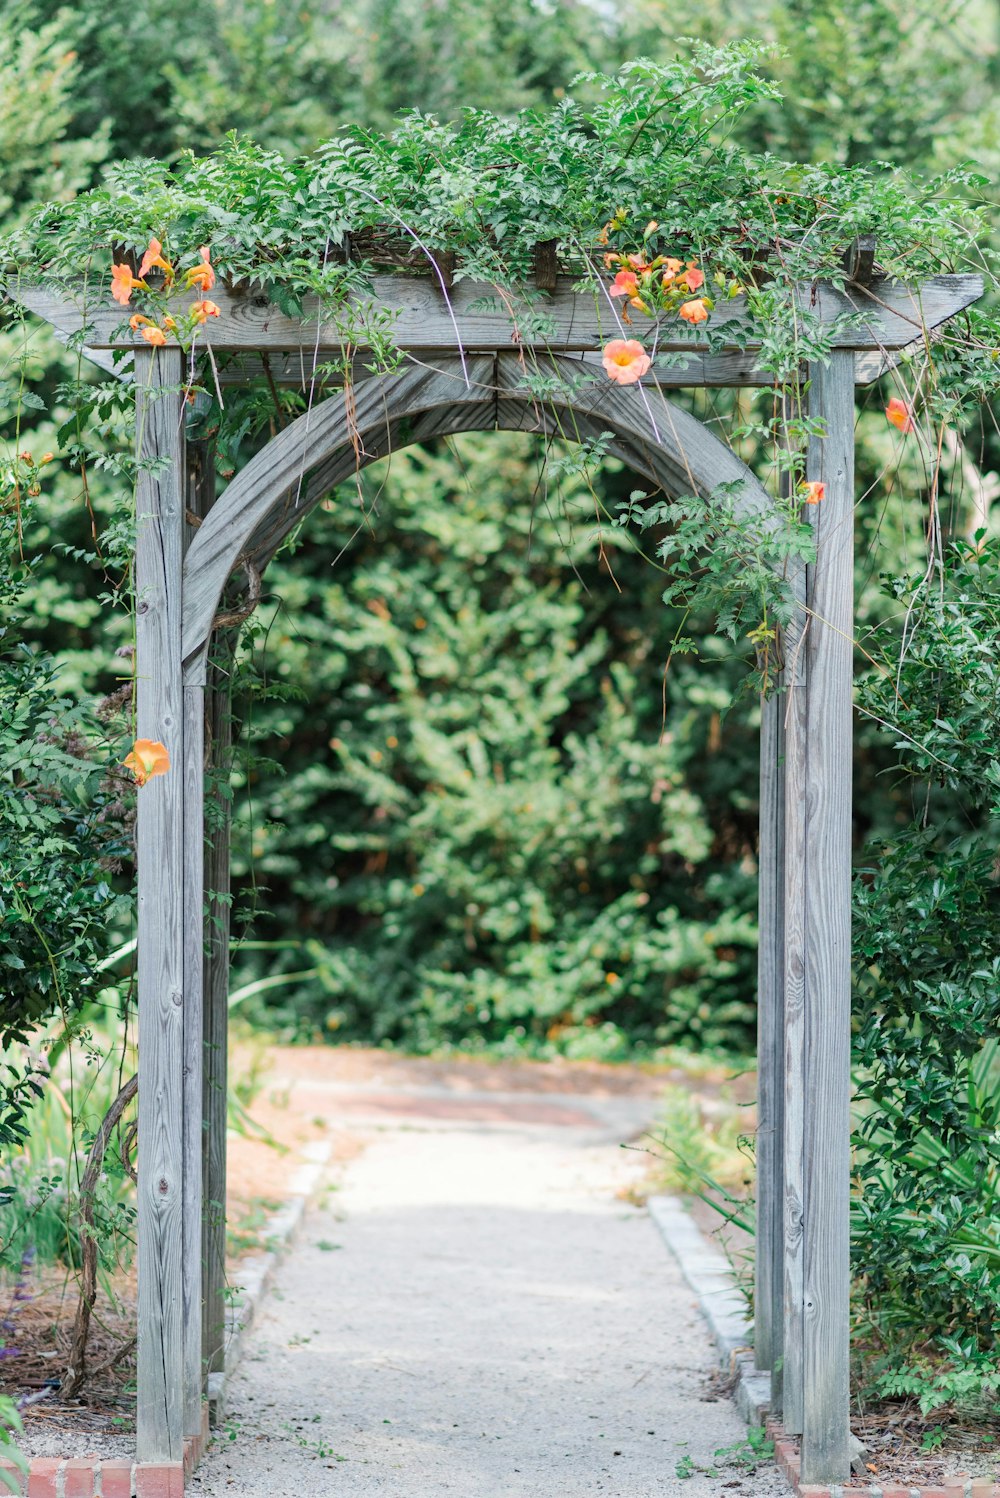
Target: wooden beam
[768,1277]
[769,1283]
[476,318]
[298,370]
[194,944]
[508,416]
[796,854]
[212,923]
[159,712]
[199,493]
[218,696]
[828,760]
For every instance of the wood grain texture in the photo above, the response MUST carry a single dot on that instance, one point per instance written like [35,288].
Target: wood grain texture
[300,370]
[218,712]
[477,319]
[272,494]
[769,1273]
[212,923]
[796,852]
[159,710]
[829,648]
[194,921]
[769,1286]
[508,415]
[199,490]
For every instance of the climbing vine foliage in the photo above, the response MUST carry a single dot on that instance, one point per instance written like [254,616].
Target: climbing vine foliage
[632,186]
[635,187]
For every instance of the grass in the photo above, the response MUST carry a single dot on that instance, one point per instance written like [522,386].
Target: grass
[39,1183]
[701,1151]
[246,1226]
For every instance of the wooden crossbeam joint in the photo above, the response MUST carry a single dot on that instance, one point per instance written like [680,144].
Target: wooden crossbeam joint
[859,260]
[546,267]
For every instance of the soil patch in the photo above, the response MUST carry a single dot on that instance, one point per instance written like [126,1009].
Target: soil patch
[893,1436]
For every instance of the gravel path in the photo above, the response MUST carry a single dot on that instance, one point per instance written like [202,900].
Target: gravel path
[476,1311]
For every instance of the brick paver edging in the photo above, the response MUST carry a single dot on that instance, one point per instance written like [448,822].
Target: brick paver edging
[91,1477]
[786,1454]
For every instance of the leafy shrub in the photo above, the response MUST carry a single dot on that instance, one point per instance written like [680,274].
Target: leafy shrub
[481,825]
[61,832]
[927,1214]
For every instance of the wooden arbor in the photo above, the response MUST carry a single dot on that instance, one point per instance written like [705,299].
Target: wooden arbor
[464,373]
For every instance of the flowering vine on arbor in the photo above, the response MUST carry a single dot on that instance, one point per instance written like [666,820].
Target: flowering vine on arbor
[200,276]
[645,204]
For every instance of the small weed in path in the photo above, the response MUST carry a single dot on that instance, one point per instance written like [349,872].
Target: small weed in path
[317,1447]
[744,1456]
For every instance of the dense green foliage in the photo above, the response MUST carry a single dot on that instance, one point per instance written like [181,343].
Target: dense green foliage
[656,141]
[60,835]
[927,1230]
[480,831]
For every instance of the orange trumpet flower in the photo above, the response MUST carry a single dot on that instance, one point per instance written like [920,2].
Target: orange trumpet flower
[147,759]
[154,256]
[625,361]
[203,310]
[625,284]
[202,276]
[122,283]
[694,312]
[900,415]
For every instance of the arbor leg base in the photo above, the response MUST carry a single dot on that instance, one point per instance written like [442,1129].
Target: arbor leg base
[786,1455]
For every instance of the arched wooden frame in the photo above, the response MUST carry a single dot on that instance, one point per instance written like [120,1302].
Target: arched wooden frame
[187,547]
[675,452]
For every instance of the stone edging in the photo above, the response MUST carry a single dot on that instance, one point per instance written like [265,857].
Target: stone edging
[257,1271]
[707,1272]
[90,1477]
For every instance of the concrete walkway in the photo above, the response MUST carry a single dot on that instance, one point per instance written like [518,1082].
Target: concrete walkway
[475,1310]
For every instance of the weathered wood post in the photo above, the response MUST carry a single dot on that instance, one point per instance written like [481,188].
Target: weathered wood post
[794,705]
[770,1043]
[218,712]
[161,913]
[194,901]
[770,1138]
[828,782]
[200,980]
[207,695]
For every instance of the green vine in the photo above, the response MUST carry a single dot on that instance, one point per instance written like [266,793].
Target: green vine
[641,195]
